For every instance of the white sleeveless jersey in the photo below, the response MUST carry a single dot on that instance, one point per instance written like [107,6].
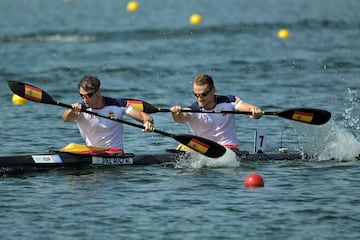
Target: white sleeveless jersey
[102,132]
[220,128]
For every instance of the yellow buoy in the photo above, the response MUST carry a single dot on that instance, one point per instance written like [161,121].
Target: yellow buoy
[17,100]
[195,19]
[283,33]
[132,6]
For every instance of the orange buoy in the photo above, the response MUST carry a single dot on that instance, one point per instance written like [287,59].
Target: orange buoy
[254,180]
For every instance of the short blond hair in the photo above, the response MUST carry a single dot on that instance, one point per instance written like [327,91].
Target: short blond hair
[89,83]
[204,79]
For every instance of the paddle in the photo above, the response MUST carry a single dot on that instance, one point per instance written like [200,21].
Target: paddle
[198,144]
[305,115]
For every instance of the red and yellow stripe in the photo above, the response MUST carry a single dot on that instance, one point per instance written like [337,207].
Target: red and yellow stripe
[302,116]
[137,104]
[33,93]
[198,146]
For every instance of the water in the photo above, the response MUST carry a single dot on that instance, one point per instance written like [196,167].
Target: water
[153,54]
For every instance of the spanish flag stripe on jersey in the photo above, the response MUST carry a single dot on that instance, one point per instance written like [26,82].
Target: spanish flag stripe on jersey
[198,146]
[138,105]
[303,116]
[33,93]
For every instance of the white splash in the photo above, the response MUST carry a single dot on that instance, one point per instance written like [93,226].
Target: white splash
[329,141]
[196,160]
[351,112]
[342,146]
[334,140]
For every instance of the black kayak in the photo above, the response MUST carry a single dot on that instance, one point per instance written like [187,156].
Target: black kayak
[56,159]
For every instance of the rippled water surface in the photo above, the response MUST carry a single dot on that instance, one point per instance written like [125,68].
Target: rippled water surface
[153,54]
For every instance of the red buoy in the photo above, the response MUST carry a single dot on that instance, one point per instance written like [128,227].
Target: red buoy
[253,180]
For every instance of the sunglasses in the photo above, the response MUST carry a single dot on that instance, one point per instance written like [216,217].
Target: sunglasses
[202,95]
[88,95]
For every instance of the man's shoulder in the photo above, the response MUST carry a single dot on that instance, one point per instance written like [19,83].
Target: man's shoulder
[194,106]
[225,98]
[219,99]
[109,101]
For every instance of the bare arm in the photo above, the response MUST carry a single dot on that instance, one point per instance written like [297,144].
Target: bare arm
[144,118]
[73,113]
[247,107]
[178,116]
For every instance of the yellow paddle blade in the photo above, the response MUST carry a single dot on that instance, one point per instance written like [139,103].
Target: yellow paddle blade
[79,148]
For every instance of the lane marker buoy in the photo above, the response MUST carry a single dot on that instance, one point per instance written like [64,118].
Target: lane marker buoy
[254,180]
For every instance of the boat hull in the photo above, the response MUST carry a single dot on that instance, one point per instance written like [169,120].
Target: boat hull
[55,159]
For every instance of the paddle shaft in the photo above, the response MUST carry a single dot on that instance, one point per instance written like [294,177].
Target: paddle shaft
[114,119]
[304,115]
[214,111]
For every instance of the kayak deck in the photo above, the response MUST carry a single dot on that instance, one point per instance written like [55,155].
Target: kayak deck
[56,159]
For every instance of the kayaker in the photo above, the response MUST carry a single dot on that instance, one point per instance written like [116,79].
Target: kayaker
[100,132]
[220,128]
